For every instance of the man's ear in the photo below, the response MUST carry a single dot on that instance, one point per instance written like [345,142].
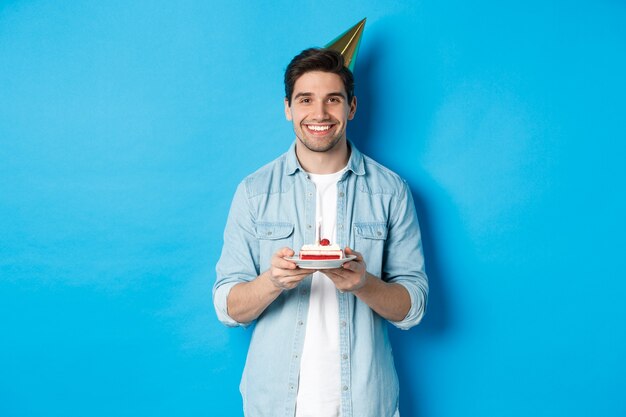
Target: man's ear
[352,108]
[287,110]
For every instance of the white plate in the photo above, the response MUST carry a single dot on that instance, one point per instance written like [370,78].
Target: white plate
[317,264]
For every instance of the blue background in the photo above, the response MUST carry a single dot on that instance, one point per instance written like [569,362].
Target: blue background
[126,126]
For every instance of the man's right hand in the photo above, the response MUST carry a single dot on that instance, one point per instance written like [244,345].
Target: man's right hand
[247,300]
[285,274]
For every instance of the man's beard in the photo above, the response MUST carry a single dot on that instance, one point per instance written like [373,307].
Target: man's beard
[316,145]
[323,147]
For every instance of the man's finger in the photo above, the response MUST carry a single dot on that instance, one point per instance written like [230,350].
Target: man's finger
[359,256]
[284,252]
[337,272]
[352,266]
[287,272]
[300,273]
[291,281]
[282,263]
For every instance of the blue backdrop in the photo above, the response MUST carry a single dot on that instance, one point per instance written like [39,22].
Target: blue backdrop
[126,126]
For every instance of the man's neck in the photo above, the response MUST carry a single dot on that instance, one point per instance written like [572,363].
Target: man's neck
[329,162]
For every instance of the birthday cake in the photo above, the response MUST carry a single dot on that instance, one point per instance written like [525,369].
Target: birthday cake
[322,251]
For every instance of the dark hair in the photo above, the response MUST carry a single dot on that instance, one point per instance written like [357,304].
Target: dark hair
[317,59]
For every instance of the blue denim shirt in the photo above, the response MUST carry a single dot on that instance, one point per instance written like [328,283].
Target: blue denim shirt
[275,207]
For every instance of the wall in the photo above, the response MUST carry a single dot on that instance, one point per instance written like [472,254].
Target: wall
[126,126]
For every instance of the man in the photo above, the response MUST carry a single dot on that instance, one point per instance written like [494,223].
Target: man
[320,345]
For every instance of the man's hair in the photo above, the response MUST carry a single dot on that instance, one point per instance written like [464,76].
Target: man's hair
[317,59]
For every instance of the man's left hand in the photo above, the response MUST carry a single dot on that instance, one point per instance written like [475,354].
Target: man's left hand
[352,275]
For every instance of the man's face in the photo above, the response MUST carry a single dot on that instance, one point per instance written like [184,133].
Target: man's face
[320,110]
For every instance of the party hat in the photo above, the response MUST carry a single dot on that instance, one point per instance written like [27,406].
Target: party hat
[347,44]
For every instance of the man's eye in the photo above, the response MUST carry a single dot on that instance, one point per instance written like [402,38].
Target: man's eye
[334,100]
[305,100]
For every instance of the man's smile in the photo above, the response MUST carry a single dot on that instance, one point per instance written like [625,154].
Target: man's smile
[318,129]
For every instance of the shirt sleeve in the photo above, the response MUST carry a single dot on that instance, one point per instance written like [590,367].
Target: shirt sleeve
[239,259]
[404,256]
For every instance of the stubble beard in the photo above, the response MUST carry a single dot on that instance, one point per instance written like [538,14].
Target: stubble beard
[316,145]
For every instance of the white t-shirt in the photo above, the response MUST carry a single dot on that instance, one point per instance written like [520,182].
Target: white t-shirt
[319,393]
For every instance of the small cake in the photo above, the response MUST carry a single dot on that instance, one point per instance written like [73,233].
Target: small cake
[321,251]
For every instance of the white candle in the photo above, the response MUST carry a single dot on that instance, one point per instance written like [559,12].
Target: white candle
[319,231]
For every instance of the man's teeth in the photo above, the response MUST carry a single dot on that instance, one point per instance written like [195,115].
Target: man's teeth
[318,128]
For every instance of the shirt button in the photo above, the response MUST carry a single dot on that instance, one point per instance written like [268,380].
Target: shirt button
[345,388]
[291,387]
[340,226]
[341,194]
[308,226]
[345,356]
[300,322]
[310,194]
[343,323]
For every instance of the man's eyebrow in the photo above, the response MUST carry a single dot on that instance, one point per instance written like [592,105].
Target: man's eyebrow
[333,94]
[305,94]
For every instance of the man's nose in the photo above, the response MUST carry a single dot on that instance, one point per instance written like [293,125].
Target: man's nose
[320,111]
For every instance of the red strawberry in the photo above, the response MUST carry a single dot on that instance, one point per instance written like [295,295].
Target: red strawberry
[325,242]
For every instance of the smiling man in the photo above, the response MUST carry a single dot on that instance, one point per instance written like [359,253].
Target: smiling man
[320,346]
[320,110]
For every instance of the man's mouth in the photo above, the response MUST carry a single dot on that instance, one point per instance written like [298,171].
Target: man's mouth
[318,129]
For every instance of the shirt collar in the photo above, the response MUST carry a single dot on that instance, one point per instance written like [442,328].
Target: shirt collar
[355,163]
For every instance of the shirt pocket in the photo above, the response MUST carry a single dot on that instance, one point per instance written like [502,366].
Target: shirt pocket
[369,239]
[272,236]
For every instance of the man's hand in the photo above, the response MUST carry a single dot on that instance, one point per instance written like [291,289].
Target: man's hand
[247,300]
[391,301]
[352,275]
[285,274]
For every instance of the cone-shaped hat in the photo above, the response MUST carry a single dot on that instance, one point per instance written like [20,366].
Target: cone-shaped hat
[347,44]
